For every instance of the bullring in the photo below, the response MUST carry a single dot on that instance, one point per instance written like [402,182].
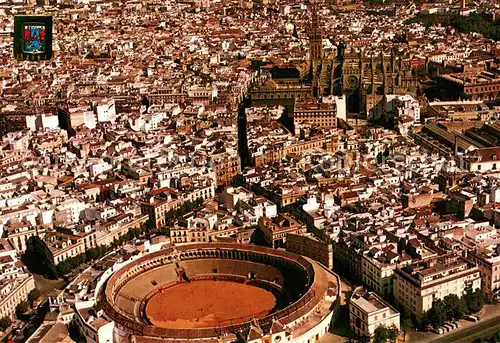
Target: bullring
[216,290]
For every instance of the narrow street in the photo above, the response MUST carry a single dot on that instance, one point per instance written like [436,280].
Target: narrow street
[242,133]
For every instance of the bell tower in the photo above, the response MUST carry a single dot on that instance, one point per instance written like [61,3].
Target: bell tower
[315,38]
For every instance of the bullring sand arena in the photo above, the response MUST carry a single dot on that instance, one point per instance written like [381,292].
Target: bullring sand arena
[207,303]
[202,291]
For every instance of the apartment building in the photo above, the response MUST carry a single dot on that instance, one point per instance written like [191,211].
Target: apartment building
[226,167]
[275,229]
[310,246]
[207,227]
[158,208]
[317,114]
[15,281]
[480,85]
[117,226]
[250,206]
[368,311]
[347,254]
[13,292]
[19,233]
[378,263]
[418,285]
[377,272]
[489,265]
[95,328]
[66,245]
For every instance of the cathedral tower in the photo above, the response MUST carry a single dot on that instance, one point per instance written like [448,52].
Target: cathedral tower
[315,39]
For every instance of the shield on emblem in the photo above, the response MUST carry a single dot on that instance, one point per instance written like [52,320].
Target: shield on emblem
[34,39]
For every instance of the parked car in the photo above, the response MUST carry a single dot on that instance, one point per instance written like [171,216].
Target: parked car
[439,331]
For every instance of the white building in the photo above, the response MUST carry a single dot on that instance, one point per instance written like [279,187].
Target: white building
[249,205]
[106,111]
[42,121]
[13,292]
[92,325]
[89,119]
[15,281]
[340,103]
[100,213]
[404,106]
[418,285]
[70,210]
[100,168]
[368,311]
[403,109]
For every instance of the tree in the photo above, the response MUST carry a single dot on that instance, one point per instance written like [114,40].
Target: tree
[380,334]
[367,134]
[75,333]
[91,254]
[149,224]
[416,320]
[437,314]
[5,323]
[406,325]
[495,337]
[238,180]
[134,233]
[255,64]
[69,264]
[21,309]
[455,307]
[103,250]
[38,258]
[64,267]
[34,295]
[474,300]
[392,333]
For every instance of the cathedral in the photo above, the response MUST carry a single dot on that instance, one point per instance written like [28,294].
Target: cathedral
[364,79]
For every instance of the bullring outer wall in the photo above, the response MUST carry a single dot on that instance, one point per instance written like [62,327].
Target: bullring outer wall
[314,289]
